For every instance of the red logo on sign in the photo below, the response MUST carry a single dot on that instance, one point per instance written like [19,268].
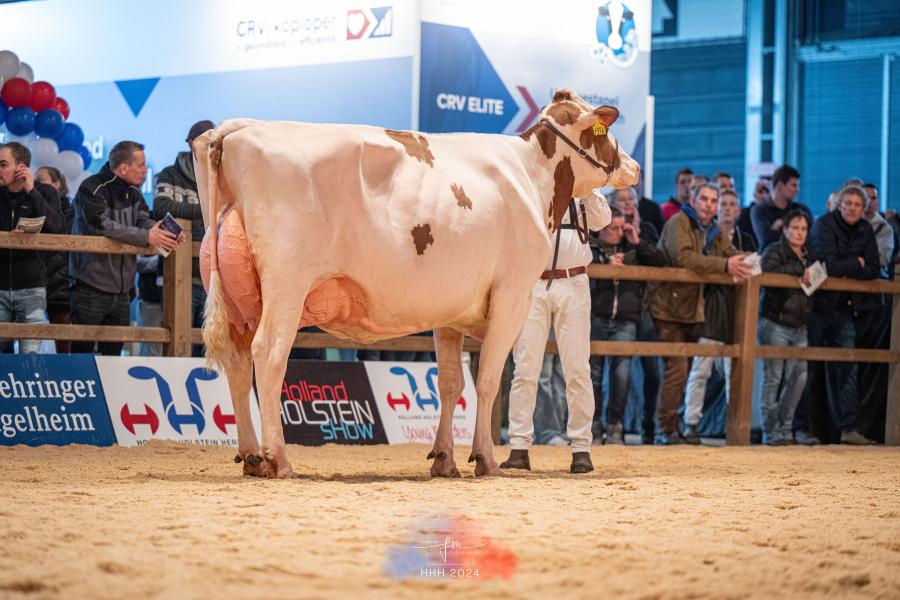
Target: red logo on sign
[148,418]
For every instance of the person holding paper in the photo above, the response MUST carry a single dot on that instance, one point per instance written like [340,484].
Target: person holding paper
[784,313]
[846,244]
[23,279]
[690,239]
[718,327]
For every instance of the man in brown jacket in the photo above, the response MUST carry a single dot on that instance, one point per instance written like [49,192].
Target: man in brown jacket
[691,240]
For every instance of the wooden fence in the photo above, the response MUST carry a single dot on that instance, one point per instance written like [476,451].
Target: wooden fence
[177,335]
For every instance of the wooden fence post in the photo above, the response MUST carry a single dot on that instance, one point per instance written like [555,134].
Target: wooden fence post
[740,402]
[892,416]
[177,296]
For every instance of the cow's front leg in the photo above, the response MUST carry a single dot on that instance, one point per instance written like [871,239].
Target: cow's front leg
[448,346]
[239,371]
[509,307]
[271,346]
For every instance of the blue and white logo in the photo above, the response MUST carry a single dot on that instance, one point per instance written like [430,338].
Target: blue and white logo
[616,33]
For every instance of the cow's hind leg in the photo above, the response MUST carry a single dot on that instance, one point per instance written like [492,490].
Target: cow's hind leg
[239,371]
[508,309]
[448,343]
[271,345]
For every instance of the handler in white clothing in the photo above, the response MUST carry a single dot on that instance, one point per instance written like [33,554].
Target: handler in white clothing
[567,305]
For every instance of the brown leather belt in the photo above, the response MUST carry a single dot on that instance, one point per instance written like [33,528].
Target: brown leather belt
[563,273]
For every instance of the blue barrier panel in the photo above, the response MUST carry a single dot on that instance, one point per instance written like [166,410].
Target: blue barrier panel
[50,399]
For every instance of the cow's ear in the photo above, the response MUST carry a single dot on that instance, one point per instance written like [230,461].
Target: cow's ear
[607,114]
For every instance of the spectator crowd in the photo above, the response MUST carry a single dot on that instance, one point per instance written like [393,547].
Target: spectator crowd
[570,398]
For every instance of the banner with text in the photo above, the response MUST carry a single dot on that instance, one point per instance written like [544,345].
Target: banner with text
[48,399]
[169,399]
[490,67]
[410,407]
[329,402]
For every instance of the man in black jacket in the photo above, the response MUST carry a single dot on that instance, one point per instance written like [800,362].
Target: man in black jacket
[176,193]
[616,311]
[23,279]
[845,243]
[768,217]
[110,204]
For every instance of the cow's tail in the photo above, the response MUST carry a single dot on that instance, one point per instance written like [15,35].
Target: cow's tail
[224,344]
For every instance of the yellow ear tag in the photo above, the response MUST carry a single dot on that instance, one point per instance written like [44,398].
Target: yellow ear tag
[599,128]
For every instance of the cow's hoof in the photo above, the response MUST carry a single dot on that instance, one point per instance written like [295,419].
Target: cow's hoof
[253,464]
[485,467]
[261,470]
[444,465]
[277,461]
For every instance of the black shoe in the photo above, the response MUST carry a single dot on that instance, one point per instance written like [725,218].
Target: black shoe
[806,439]
[647,433]
[691,436]
[615,434]
[581,463]
[855,438]
[669,439]
[518,459]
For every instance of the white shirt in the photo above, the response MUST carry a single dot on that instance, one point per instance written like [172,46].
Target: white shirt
[572,252]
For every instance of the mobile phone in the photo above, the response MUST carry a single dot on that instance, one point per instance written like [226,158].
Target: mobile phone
[168,223]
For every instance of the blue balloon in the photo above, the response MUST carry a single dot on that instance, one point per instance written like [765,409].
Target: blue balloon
[71,137]
[49,123]
[2,112]
[85,156]
[20,121]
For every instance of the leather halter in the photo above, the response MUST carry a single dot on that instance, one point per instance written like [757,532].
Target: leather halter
[608,169]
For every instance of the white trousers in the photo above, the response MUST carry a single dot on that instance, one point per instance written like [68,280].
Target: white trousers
[567,306]
[701,369]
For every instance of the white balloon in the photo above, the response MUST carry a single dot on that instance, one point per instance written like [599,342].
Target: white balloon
[25,72]
[43,152]
[26,140]
[9,64]
[70,163]
[74,184]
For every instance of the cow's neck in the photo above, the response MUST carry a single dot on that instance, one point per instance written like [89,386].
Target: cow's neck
[555,175]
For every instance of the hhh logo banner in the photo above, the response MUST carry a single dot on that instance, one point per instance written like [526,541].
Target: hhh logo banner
[376,22]
[169,399]
[329,403]
[52,399]
[410,405]
[617,35]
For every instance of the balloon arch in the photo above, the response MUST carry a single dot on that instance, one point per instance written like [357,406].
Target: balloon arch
[32,114]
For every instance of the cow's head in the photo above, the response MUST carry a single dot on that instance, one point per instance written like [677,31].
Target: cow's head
[596,160]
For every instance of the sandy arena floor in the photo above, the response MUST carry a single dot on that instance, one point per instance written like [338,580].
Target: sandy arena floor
[173,521]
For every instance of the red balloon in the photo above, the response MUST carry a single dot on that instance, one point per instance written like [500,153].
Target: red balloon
[62,106]
[43,95]
[16,93]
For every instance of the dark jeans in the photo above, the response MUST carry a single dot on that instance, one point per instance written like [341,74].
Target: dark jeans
[674,376]
[652,369]
[62,315]
[835,330]
[91,306]
[619,368]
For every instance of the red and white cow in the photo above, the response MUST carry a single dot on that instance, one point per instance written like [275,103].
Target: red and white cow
[372,234]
